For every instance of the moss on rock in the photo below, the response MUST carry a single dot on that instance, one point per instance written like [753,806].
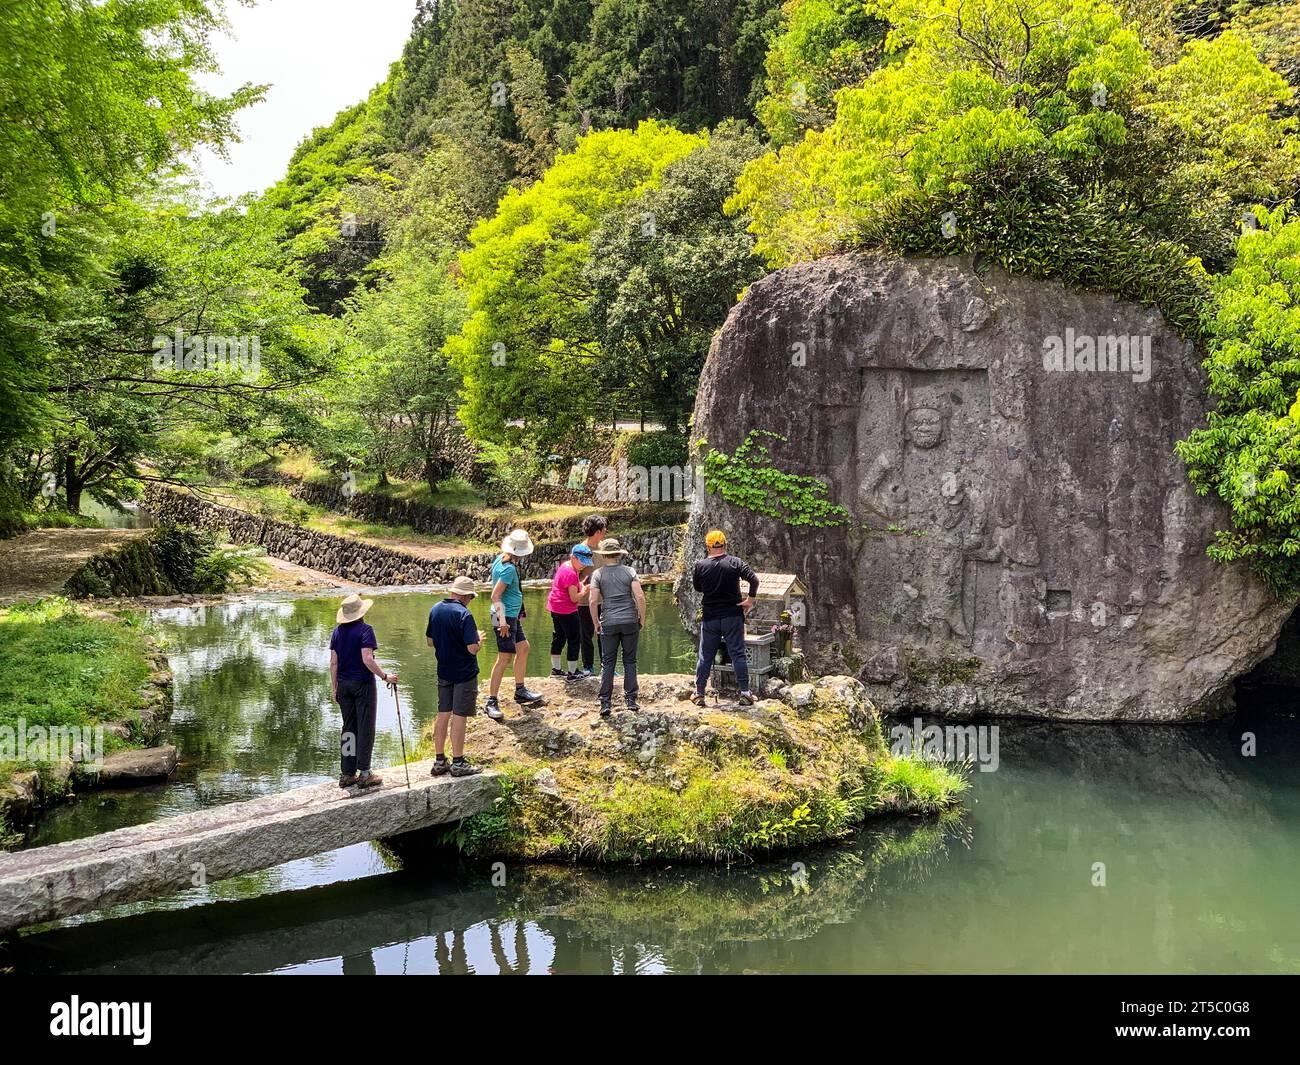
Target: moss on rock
[678,782]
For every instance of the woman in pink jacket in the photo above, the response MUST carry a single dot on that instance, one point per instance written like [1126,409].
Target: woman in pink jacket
[568,593]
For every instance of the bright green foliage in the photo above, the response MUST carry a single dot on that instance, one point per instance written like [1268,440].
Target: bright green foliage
[1062,149]
[1249,453]
[62,667]
[327,235]
[527,349]
[748,479]
[96,98]
[824,46]
[1274,30]
[664,270]
[114,400]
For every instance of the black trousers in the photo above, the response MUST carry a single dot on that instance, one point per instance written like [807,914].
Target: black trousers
[588,636]
[566,631]
[357,700]
[614,638]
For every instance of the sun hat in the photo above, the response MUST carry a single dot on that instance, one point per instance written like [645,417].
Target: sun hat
[352,608]
[715,538]
[610,548]
[518,543]
[462,585]
[583,554]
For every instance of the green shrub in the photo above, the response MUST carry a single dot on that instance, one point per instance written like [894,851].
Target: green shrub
[663,447]
[1249,452]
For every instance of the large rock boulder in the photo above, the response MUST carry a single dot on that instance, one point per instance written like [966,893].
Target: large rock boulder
[1023,538]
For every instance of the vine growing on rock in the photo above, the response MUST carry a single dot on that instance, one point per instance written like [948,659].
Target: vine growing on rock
[748,479]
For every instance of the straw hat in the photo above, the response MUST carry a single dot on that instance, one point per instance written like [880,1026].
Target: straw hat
[610,548]
[462,586]
[352,608]
[518,543]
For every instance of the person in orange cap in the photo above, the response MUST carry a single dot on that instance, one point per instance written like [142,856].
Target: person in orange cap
[717,577]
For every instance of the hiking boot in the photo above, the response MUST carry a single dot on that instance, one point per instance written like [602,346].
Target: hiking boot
[369,780]
[464,769]
[699,700]
[632,706]
[440,767]
[493,709]
[347,780]
[556,671]
[523,695]
[573,676]
[745,699]
[604,709]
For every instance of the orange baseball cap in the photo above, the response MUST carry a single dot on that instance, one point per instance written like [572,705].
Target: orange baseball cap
[715,538]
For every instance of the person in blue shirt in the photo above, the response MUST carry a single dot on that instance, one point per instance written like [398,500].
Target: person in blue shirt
[455,640]
[353,670]
[507,610]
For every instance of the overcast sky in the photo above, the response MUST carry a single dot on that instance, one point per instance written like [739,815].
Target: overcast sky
[318,56]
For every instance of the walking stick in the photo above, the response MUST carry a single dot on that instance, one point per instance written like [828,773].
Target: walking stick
[392,687]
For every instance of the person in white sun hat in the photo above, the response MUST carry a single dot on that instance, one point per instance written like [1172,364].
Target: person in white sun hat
[507,610]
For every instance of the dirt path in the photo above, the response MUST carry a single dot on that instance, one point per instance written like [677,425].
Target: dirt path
[40,562]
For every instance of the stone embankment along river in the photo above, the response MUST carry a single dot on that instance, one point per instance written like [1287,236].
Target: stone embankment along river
[653,552]
[1024,539]
[149,861]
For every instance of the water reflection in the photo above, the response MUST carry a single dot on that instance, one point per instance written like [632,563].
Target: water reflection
[253,710]
[544,920]
[1200,843]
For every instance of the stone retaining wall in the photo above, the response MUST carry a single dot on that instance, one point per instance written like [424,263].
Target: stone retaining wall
[462,525]
[652,552]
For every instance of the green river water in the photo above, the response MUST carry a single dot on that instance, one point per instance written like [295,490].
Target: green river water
[1201,846]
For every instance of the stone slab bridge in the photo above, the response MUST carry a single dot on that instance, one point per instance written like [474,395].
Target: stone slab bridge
[148,861]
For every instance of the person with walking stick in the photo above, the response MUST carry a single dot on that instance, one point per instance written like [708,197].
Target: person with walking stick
[455,640]
[353,670]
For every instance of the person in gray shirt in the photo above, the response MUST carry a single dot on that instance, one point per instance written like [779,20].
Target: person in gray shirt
[618,605]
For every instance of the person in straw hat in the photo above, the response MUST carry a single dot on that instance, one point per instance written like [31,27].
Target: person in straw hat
[618,603]
[353,670]
[507,612]
[455,640]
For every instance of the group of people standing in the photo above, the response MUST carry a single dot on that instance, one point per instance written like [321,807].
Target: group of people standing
[595,595]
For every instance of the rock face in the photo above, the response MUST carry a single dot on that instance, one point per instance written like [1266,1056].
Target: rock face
[1024,539]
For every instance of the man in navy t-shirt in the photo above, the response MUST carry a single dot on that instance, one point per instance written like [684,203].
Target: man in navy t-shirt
[455,639]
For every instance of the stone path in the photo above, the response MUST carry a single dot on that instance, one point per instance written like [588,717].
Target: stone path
[156,859]
[40,562]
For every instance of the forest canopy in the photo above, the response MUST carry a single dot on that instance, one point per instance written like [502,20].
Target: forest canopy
[535,223]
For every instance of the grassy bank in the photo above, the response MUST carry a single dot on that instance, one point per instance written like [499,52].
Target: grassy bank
[678,782]
[65,665]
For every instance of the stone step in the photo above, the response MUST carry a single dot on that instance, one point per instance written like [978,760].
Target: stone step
[149,861]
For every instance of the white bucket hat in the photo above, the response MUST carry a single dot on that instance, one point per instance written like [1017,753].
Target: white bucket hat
[462,586]
[518,543]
